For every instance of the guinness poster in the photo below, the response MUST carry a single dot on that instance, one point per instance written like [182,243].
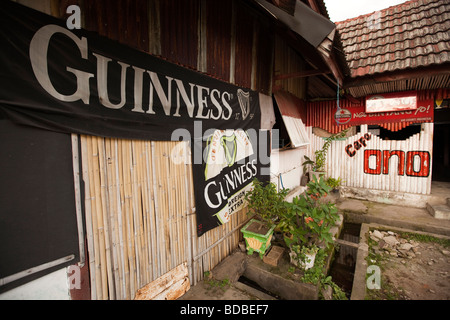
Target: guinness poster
[75,81]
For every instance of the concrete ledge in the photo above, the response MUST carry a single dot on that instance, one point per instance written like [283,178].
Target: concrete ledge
[439,211]
[285,288]
[391,197]
[231,268]
[409,224]
[258,294]
[359,279]
[363,211]
[295,192]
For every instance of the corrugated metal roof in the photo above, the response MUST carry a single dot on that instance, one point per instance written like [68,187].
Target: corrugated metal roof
[410,35]
[292,111]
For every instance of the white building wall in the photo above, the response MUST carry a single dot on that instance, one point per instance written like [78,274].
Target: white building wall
[53,286]
[286,167]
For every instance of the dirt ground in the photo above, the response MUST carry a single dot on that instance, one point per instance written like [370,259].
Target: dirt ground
[416,267]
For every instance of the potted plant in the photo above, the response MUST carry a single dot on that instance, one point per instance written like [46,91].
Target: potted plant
[266,204]
[317,168]
[307,221]
[334,184]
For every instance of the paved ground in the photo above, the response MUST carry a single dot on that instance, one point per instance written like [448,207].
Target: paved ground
[206,291]
[398,216]
[413,266]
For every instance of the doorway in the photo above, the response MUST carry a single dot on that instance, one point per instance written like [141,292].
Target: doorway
[441,152]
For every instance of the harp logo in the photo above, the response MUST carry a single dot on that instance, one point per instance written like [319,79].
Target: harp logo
[244,102]
[224,149]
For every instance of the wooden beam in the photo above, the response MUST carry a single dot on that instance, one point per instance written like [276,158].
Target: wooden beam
[314,6]
[351,98]
[301,74]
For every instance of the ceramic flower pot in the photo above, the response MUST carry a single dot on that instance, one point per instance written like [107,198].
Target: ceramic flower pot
[307,263]
[257,237]
[316,174]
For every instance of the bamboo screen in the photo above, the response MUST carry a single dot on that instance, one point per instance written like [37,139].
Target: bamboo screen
[140,216]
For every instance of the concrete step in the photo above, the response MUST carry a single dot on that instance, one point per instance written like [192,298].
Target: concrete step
[439,211]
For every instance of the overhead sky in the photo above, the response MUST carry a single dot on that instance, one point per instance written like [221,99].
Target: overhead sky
[340,10]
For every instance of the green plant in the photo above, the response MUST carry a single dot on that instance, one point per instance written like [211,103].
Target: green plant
[318,165]
[306,163]
[266,202]
[316,273]
[338,294]
[303,255]
[307,220]
[213,283]
[316,276]
[333,183]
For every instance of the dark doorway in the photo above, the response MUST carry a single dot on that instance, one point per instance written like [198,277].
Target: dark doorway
[441,152]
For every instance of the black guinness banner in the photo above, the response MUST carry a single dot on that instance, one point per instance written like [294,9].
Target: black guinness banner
[79,82]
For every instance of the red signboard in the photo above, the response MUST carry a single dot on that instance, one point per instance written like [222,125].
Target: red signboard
[423,113]
[386,102]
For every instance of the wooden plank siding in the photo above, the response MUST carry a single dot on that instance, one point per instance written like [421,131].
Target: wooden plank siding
[218,39]
[287,61]
[265,54]
[140,206]
[124,20]
[243,51]
[179,31]
[223,39]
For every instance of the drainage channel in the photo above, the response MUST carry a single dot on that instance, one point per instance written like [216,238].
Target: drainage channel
[250,283]
[342,269]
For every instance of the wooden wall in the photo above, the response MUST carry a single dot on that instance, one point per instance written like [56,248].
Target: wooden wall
[287,61]
[151,230]
[225,39]
[139,201]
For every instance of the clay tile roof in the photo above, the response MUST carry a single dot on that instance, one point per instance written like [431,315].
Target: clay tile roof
[409,35]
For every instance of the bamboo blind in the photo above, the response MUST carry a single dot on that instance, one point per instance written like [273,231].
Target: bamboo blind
[140,216]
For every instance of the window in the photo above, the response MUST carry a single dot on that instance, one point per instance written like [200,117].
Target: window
[289,113]
[38,225]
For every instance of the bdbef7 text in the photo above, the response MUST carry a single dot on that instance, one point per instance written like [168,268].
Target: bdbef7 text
[252,309]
